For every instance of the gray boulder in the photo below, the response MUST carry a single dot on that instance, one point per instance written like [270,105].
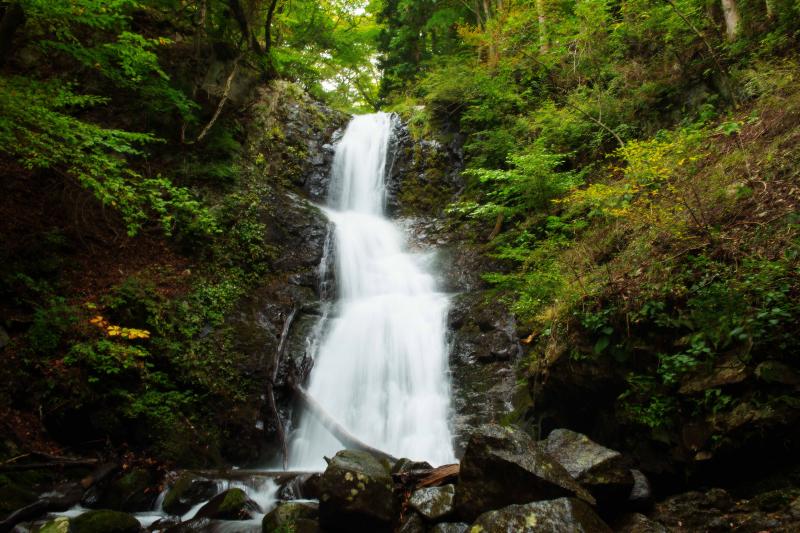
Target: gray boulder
[563,515]
[434,503]
[412,523]
[599,469]
[450,527]
[357,494]
[502,467]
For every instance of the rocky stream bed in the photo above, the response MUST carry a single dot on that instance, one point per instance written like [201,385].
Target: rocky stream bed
[505,482]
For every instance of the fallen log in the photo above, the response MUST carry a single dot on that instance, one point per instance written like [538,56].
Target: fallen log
[428,477]
[348,440]
[57,461]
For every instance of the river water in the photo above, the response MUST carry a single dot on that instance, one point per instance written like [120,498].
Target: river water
[381,367]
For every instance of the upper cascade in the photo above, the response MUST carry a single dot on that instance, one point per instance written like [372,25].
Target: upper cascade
[381,369]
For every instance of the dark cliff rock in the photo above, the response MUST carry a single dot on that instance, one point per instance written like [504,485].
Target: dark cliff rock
[422,175]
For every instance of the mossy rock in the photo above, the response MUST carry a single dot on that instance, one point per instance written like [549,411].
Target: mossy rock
[133,491]
[58,525]
[357,494]
[549,516]
[232,504]
[188,491]
[285,516]
[105,521]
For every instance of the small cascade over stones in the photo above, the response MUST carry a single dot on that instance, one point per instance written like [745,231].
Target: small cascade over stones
[381,369]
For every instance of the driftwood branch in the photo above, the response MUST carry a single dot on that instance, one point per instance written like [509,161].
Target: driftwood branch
[498,225]
[429,477]
[287,326]
[51,462]
[225,95]
[348,440]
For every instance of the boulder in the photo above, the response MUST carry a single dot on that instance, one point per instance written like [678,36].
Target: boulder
[164,524]
[638,523]
[357,494]
[412,523]
[502,466]
[132,491]
[232,504]
[57,525]
[693,510]
[641,496]
[433,503]
[450,527]
[195,525]
[407,465]
[187,491]
[311,486]
[550,516]
[306,525]
[105,521]
[599,469]
[285,516]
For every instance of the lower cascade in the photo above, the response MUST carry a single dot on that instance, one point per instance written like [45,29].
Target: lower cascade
[381,369]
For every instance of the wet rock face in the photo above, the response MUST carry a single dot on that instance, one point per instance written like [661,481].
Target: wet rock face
[484,348]
[357,494]
[501,467]
[305,130]
[552,516]
[422,175]
[601,470]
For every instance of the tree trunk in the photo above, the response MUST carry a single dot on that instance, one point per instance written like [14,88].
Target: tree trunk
[732,18]
[268,29]
[347,439]
[544,41]
[244,25]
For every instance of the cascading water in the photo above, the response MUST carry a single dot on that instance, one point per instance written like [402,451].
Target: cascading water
[381,368]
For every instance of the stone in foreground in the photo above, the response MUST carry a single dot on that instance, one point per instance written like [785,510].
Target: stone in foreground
[187,491]
[357,494]
[104,521]
[503,467]
[563,515]
[286,515]
[599,469]
[434,503]
[450,527]
[232,504]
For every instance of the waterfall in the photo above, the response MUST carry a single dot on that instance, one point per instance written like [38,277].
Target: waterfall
[381,368]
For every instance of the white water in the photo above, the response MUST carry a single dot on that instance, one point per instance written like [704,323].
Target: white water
[381,368]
